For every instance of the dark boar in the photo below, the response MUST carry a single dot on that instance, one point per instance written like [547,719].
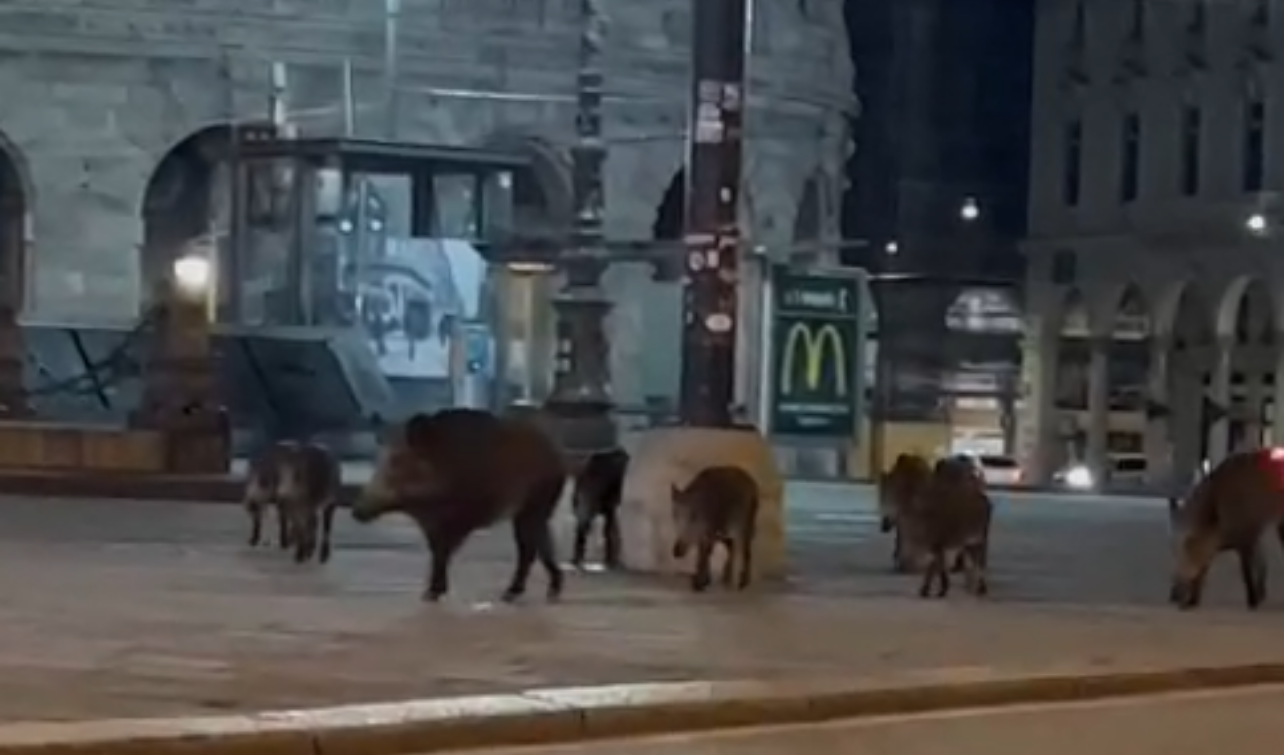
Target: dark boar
[950,520]
[718,506]
[598,489]
[462,470]
[261,487]
[1228,510]
[308,489]
[897,489]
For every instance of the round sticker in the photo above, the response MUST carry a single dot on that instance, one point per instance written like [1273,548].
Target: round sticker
[695,261]
[718,323]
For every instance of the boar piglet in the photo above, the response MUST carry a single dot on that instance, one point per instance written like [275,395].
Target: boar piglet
[261,487]
[950,517]
[897,489]
[462,470]
[1229,510]
[598,489]
[308,490]
[718,506]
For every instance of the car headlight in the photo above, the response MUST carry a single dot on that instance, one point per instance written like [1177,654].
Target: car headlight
[1079,477]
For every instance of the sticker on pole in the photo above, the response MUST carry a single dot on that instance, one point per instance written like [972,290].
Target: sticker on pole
[718,323]
[695,262]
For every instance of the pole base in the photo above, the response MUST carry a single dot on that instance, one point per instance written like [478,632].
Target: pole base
[581,429]
[672,456]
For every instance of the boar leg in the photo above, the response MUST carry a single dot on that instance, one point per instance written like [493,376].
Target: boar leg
[305,535]
[441,549]
[284,536]
[746,562]
[527,534]
[701,577]
[547,554]
[327,526]
[729,571]
[256,524]
[1252,568]
[583,528]
[611,540]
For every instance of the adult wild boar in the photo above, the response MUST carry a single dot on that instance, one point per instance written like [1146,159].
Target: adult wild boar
[462,470]
[598,489]
[260,496]
[949,521]
[1228,510]
[309,483]
[718,506]
[897,489]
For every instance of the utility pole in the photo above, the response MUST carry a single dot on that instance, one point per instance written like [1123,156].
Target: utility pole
[713,241]
[581,397]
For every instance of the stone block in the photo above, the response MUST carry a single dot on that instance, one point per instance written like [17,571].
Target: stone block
[672,456]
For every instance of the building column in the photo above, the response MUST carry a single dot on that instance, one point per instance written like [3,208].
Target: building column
[1037,431]
[1185,427]
[1159,413]
[1097,454]
[1254,421]
[1218,393]
[1277,397]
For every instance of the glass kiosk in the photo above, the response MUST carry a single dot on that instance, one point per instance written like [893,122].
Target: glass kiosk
[348,233]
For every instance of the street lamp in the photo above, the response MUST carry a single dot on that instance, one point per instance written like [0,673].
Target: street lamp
[1256,224]
[193,275]
[969,211]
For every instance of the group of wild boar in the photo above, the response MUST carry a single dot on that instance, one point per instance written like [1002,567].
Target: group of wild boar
[462,470]
[940,515]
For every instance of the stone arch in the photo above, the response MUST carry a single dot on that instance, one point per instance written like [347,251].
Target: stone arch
[670,215]
[543,194]
[184,201]
[1246,311]
[16,201]
[1131,315]
[810,217]
[1192,319]
[1074,315]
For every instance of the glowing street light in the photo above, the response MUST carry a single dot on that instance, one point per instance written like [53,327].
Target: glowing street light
[970,210]
[1256,223]
[193,274]
[892,248]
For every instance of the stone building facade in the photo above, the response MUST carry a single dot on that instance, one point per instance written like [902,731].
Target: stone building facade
[1155,278]
[106,104]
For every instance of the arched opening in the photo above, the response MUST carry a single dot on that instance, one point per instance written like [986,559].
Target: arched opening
[15,209]
[186,202]
[1252,367]
[670,215]
[1194,342]
[808,219]
[1128,363]
[1071,383]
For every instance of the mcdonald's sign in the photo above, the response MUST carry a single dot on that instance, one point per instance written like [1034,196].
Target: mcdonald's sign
[824,356]
[817,345]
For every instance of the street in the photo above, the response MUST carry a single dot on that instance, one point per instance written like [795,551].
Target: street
[119,608]
[1242,721]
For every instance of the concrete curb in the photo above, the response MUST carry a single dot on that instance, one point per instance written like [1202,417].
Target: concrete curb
[563,716]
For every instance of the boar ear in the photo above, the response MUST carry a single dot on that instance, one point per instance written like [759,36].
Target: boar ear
[417,432]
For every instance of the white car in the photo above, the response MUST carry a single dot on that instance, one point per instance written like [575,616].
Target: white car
[1003,471]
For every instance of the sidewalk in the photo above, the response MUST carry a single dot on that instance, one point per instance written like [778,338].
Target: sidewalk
[147,628]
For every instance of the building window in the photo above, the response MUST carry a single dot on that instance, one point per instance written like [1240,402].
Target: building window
[1072,166]
[1254,145]
[1079,28]
[1130,162]
[1137,21]
[1261,17]
[1192,128]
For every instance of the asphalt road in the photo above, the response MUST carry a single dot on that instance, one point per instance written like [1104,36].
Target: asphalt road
[1198,724]
[1046,547]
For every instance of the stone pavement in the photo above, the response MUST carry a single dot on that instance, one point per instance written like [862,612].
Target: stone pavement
[145,609]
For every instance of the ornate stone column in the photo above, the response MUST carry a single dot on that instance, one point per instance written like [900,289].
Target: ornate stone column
[1097,453]
[1037,430]
[1159,420]
[1217,401]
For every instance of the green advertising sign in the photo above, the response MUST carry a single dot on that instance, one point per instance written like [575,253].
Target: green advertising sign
[818,343]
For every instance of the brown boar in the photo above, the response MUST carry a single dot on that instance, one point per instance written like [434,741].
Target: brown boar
[897,489]
[462,470]
[950,521]
[718,506]
[1228,510]
[261,492]
[308,489]
[598,489]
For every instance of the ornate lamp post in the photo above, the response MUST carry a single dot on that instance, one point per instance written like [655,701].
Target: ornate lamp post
[581,396]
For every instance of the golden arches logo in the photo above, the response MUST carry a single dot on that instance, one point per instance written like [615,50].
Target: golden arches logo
[815,343]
